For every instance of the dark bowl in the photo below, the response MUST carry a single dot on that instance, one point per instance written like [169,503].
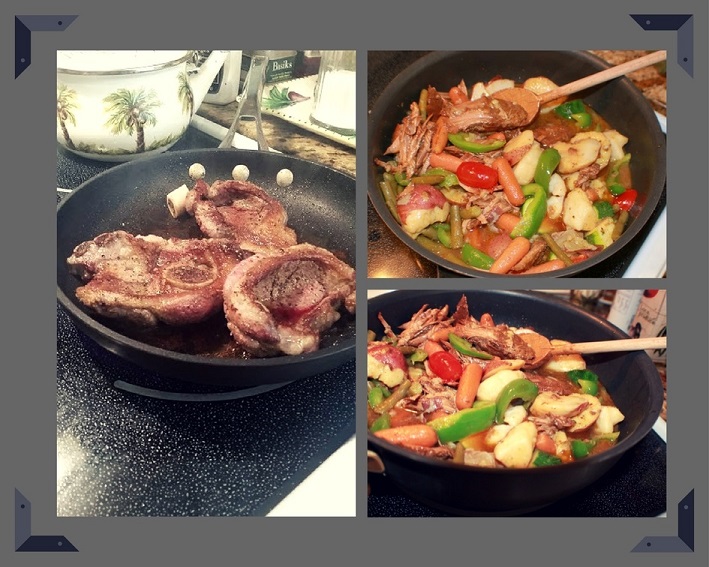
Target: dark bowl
[619,101]
[631,379]
[131,196]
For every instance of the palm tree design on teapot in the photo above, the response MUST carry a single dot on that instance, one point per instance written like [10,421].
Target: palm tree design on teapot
[65,106]
[130,112]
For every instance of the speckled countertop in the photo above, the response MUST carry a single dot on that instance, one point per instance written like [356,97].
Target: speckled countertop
[290,138]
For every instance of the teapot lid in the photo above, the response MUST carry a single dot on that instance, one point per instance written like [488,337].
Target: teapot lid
[117,62]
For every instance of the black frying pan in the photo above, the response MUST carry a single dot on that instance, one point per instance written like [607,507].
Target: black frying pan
[132,197]
[619,101]
[631,379]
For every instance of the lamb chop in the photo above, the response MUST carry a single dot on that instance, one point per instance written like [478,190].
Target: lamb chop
[281,302]
[241,211]
[147,280]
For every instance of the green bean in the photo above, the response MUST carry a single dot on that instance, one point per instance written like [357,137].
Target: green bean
[398,394]
[428,179]
[440,250]
[556,249]
[456,227]
[390,199]
[430,232]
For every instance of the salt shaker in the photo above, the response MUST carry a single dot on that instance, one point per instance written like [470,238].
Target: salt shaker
[334,99]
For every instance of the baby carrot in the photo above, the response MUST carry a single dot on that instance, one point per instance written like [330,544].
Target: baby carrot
[486,320]
[457,95]
[514,252]
[468,385]
[544,267]
[510,186]
[447,161]
[507,221]
[419,435]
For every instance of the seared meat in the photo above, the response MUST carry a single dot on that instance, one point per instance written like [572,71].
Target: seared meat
[499,340]
[547,383]
[485,114]
[553,132]
[241,211]
[149,279]
[282,302]
[537,252]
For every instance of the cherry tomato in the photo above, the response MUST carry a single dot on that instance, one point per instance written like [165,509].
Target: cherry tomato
[626,199]
[445,365]
[476,174]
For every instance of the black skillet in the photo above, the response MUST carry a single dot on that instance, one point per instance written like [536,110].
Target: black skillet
[618,101]
[132,197]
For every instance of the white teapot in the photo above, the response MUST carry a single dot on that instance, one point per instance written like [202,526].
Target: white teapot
[122,105]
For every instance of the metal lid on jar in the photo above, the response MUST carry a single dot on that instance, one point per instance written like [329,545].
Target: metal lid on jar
[123,62]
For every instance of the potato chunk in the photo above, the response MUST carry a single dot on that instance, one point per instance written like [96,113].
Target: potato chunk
[582,409]
[516,449]
[576,156]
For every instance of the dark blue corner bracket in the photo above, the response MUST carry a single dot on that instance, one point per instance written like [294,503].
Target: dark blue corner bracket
[683,24]
[683,541]
[24,26]
[24,540]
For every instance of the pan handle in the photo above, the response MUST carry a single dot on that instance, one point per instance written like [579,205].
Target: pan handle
[374,462]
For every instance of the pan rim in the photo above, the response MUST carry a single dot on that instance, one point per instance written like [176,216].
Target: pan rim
[657,183]
[644,426]
[343,348]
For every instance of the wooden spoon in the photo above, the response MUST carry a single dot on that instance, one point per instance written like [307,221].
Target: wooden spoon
[531,102]
[544,349]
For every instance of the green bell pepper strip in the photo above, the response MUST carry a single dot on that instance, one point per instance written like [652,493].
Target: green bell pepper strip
[401,179]
[580,449]
[569,108]
[376,395]
[450,179]
[382,422]
[443,234]
[456,426]
[544,459]
[466,141]
[616,189]
[585,379]
[476,258]
[521,388]
[547,164]
[589,387]
[583,119]
[604,209]
[534,209]
[464,347]
[418,355]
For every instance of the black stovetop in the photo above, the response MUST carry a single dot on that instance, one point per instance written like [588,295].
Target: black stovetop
[134,443]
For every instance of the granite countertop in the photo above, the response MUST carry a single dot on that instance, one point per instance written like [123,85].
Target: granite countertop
[289,138]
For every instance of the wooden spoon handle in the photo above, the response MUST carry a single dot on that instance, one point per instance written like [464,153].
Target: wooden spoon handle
[618,345]
[603,76]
